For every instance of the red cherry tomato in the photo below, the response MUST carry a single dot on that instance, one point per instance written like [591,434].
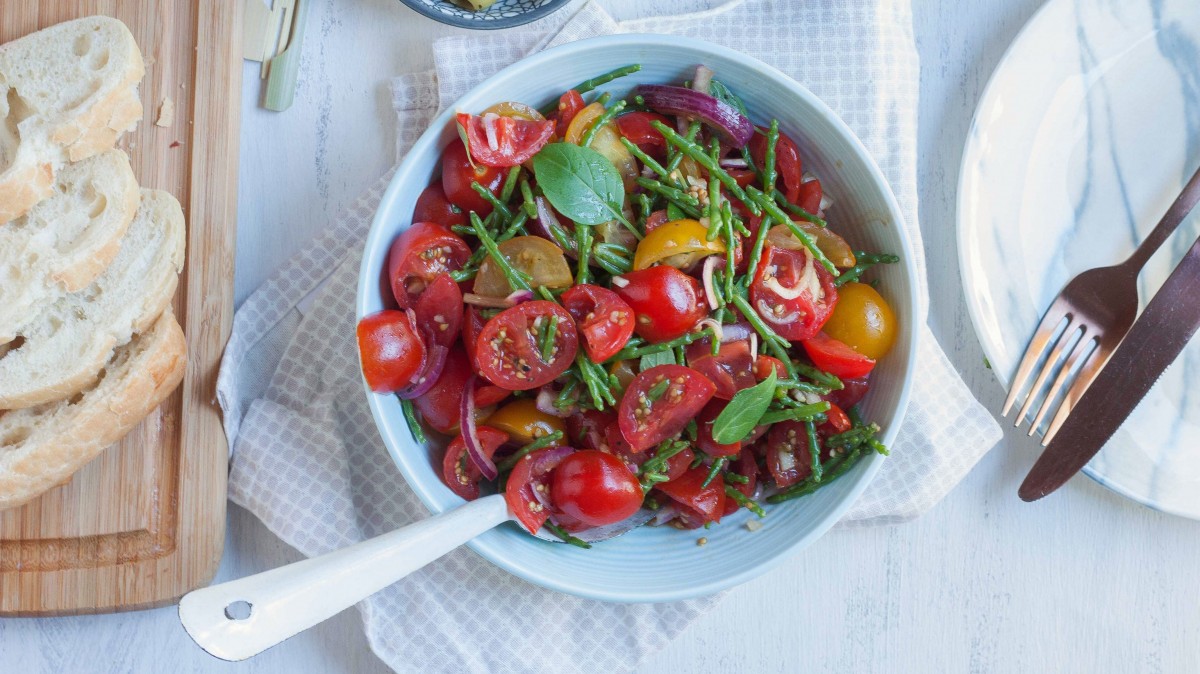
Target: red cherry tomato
[853,391]
[439,311]
[390,350]
[730,370]
[587,428]
[742,177]
[635,126]
[836,358]
[656,220]
[837,420]
[504,141]
[433,206]
[473,322]
[704,437]
[788,166]
[706,502]
[459,472]
[652,411]
[458,173]
[666,301]
[678,465]
[507,350]
[788,455]
[747,468]
[782,297]
[595,488]
[569,105]
[764,364]
[418,255]
[604,319]
[439,406]
[809,197]
[521,490]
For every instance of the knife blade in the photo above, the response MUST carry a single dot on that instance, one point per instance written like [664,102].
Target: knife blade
[1152,344]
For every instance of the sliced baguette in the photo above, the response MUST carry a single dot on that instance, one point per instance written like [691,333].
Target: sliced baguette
[66,241]
[41,447]
[66,93]
[60,351]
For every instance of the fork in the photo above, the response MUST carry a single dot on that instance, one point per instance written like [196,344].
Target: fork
[1099,305]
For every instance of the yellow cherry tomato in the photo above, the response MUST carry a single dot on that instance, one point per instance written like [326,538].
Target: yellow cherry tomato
[623,371]
[862,320]
[607,142]
[533,255]
[679,243]
[828,242]
[524,422]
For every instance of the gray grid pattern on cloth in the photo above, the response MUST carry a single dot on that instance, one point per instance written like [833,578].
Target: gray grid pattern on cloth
[308,462]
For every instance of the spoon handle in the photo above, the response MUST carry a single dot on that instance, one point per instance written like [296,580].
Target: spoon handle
[285,601]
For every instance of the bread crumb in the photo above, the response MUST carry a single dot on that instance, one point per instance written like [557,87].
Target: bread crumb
[701,541]
[753,525]
[166,113]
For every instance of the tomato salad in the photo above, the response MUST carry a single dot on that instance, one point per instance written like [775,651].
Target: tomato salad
[626,303]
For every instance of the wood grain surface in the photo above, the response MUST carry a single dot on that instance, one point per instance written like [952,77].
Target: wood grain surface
[145,521]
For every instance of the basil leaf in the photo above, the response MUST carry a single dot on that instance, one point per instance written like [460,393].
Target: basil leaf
[742,413]
[722,93]
[664,357]
[580,183]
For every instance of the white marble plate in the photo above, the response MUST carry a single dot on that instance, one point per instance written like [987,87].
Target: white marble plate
[1087,131]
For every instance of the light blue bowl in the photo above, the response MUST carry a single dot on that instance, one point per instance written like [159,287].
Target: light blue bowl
[665,564]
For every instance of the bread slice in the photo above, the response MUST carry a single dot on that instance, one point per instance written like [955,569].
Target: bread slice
[41,447]
[66,241]
[62,349]
[66,93]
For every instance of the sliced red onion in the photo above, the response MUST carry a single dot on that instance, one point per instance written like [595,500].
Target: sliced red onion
[753,346]
[489,125]
[680,101]
[620,281]
[717,328]
[431,370]
[546,220]
[710,264]
[733,162]
[469,435]
[703,79]
[769,316]
[547,459]
[487,302]
[826,202]
[664,514]
[807,177]
[545,403]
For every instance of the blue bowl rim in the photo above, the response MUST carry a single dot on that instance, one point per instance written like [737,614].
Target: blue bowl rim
[521,19]
[495,553]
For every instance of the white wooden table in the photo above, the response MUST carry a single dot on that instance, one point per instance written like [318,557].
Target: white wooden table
[1084,581]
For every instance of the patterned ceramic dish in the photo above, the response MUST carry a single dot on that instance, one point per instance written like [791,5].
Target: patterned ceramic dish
[1086,132]
[503,14]
[662,563]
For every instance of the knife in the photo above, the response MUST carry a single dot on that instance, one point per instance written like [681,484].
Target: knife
[1152,344]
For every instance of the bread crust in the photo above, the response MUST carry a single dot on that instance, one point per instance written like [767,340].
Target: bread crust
[71,435]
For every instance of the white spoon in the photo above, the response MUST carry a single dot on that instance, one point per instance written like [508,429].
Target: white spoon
[242,618]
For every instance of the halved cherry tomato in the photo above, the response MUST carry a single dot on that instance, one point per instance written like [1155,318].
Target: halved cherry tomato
[522,488]
[620,447]
[604,319]
[707,502]
[853,391]
[515,110]
[504,141]
[508,351]
[587,429]
[636,128]
[837,420]
[660,402]
[679,243]
[809,196]
[788,455]
[624,370]
[764,364]
[543,261]
[828,242]
[433,206]
[439,406]
[473,322]
[418,255]
[792,293]
[836,358]
[459,472]
[742,177]
[595,488]
[863,320]
[439,311]
[569,105]
[606,141]
[678,465]
[458,173]
[787,162]
[730,370]
[704,436]
[747,468]
[389,349]
[524,422]
[667,302]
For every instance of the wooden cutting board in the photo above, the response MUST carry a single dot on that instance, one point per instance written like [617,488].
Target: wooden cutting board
[145,522]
